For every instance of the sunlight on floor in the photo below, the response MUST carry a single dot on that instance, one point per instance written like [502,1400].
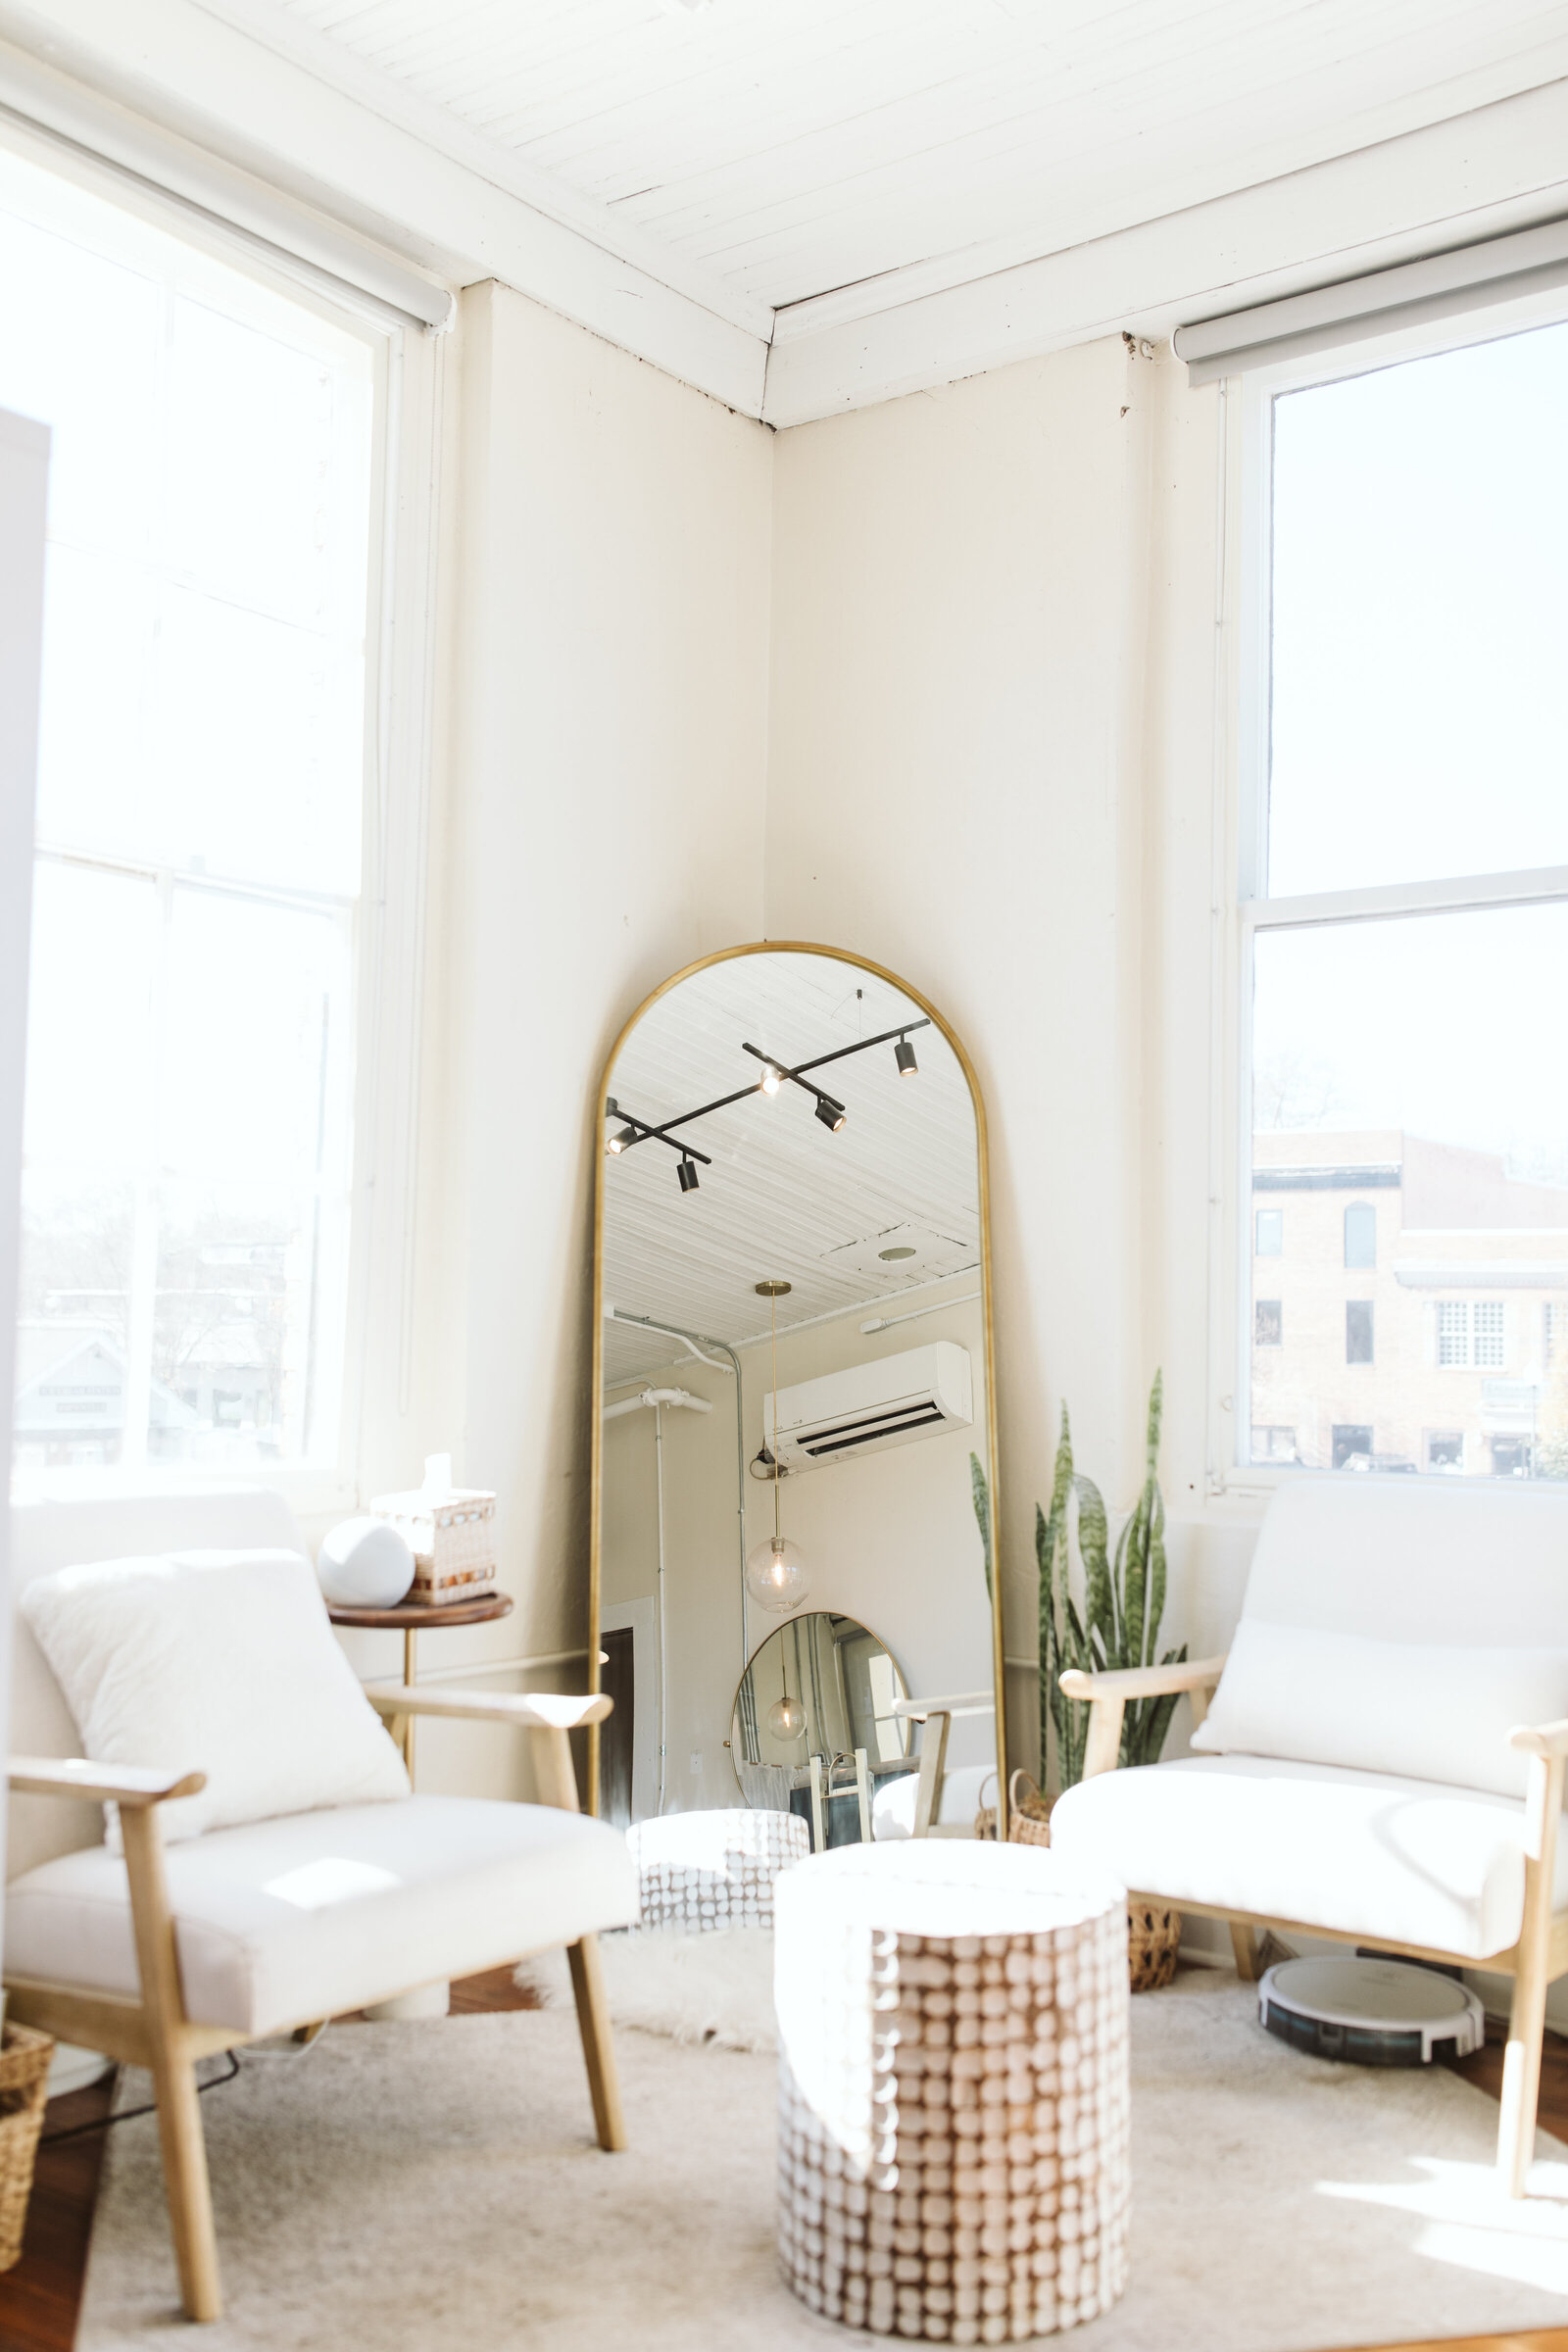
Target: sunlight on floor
[1473,2226]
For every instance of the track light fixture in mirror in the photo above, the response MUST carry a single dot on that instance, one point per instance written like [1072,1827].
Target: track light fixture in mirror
[775,1073]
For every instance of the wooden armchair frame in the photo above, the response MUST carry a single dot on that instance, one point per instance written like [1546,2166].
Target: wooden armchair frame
[153,2031]
[938,1716]
[1534,1962]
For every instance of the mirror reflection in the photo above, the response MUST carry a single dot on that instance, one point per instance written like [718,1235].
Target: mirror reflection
[820,1692]
[793,1357]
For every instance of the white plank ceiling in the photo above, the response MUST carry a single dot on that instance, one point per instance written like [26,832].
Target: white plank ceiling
[784,1199]
[868,151]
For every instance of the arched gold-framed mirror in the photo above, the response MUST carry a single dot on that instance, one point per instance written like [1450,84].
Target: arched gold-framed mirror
[793,1366]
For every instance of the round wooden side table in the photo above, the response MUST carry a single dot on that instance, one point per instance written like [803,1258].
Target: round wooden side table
[411,1618]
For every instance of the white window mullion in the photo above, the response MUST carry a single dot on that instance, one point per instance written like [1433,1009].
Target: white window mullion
[141,1318]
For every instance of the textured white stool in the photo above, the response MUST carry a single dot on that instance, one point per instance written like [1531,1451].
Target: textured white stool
[953,2089]
[714,1869]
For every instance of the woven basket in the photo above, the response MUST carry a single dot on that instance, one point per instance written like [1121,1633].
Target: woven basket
[23,2080]
[1154,1933]
[1153,1929]
[1028,1812]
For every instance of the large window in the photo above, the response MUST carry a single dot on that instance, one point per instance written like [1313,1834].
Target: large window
[1405,914]
[189,1127]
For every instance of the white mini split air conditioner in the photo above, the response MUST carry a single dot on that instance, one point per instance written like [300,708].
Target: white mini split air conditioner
[890,1402]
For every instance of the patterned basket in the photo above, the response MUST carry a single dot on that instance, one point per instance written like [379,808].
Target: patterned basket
[1153,1929]
[451,1537]
[24,2082]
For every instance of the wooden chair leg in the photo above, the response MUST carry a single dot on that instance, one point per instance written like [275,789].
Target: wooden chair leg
[1521,2079]
[933,1764]
[599,2051]
[187,2185]
[174,2068]
[1244,1943]
[1521,2061]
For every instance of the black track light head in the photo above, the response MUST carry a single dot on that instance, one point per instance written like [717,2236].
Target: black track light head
[686,1172]
[617,1143]
[903,1056]
[832,1115]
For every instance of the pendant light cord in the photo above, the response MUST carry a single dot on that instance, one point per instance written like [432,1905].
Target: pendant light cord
[773,1318]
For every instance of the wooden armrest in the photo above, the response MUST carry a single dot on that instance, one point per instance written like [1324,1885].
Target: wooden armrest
[539,1711]
[1126,1682]
[1540,1739]
[968,1703]
[135,1784]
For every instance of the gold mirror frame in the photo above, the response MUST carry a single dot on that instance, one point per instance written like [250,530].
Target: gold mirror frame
[879,971]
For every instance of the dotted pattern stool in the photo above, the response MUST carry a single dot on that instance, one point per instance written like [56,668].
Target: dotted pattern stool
[715,1870]
[953,2089]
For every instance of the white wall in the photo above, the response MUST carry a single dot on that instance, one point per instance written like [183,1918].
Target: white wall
[985,757]
[992,769]
[23,485]
[599,822]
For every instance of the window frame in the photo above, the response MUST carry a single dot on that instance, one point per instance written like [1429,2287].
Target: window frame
[1242,689]
[408,372]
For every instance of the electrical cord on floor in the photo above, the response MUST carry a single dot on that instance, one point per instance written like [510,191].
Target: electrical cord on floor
[102,2122]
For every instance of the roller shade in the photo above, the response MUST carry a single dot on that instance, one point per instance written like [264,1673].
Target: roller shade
[1529,261]
[51,112]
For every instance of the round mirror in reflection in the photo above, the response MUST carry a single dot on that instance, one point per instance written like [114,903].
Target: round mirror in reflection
[822,1687]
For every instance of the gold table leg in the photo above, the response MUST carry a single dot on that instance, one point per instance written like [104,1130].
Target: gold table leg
[409,1639]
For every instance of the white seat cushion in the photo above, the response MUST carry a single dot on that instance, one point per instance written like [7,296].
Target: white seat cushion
[893,1805]
[305,1915]
[1389,1860]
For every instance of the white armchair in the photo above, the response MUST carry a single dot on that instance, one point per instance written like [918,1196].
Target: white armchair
[1382,1761]
[165,1954]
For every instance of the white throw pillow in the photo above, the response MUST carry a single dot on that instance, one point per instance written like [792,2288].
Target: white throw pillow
[221,1662]
[1410,1707]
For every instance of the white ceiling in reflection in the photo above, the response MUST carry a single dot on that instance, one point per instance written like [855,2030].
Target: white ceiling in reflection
[784,1199]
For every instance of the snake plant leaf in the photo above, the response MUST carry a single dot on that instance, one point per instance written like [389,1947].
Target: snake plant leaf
[1100,1609]
[1050,1696]
[1157,1412]
[1131,1568]
[980,1489]
[1156,1566]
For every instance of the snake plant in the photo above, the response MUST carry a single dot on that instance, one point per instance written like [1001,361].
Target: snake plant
[1123,1600]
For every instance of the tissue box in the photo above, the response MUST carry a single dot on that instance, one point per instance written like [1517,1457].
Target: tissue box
[452,1535]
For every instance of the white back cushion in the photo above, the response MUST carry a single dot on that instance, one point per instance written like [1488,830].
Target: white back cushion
[60,1533]
[223,1662]
[1398,1560]
[1423,1710]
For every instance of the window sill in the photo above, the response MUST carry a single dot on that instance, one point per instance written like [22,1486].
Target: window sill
[310,1491]
[1259,1480]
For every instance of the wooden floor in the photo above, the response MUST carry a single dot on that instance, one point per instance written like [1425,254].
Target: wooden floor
[40,2297]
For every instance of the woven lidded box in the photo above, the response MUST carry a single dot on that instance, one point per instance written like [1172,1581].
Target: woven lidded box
[451,1532]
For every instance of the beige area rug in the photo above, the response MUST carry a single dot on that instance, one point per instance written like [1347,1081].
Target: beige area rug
[409,2187]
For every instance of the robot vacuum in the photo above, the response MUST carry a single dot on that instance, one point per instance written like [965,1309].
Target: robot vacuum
[1370,2012]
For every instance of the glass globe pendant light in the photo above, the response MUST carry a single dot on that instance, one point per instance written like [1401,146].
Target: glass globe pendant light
[776,1573]
[786,1717]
